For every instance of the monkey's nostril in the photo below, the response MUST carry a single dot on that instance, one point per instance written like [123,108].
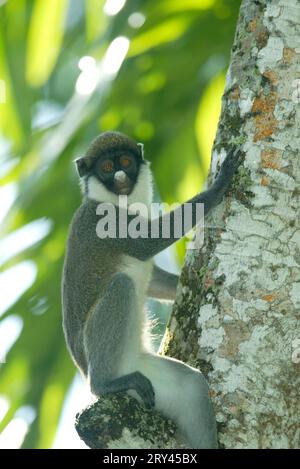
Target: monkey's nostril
[120,176]
[122,183]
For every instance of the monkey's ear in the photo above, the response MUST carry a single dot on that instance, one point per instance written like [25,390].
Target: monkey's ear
[141,146]
[81,166]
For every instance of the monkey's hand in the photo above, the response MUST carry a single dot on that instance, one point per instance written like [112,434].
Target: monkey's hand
[230,164]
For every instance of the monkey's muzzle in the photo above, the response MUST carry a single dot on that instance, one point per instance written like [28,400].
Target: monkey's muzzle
[122,183]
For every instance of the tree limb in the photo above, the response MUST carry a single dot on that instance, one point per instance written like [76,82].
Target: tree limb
[119,421]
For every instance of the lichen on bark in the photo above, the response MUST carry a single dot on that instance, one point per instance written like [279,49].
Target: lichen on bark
[118,421]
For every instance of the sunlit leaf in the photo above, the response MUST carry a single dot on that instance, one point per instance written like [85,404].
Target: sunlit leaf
[152,82]
[52,400]
[165,32]
[16,11]
[9,119]
[172,6]
[96,21]
[44,39]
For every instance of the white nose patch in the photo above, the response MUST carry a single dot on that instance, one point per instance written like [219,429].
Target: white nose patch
[120,176]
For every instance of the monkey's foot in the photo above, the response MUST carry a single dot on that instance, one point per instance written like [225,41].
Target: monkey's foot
[133,381]
[144,388]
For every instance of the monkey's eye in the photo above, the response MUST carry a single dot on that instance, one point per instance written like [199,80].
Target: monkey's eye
[107,166]
[126,161]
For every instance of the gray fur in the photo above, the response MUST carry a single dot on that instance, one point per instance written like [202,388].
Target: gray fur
[163,284]
[105,282]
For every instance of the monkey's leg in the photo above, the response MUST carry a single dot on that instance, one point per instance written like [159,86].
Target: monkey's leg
[182,394]
[105,340]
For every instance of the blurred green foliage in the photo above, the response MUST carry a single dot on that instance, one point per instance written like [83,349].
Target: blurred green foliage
[167,94]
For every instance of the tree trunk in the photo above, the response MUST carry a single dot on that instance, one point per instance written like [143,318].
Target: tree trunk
[237,308]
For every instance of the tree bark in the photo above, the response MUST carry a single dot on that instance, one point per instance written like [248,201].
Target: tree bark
[237,308]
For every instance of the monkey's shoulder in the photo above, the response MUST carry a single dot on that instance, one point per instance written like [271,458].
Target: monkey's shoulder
[86,251]
[84,220]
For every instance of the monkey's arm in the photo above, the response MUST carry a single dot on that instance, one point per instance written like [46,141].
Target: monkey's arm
[163,284]
[144,248]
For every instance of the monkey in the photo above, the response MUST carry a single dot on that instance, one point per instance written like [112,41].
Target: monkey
[106,281]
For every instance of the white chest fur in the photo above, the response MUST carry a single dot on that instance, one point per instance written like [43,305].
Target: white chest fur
[135,338]
[140,272]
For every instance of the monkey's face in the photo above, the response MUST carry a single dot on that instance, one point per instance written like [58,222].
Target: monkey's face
[118,171]
[113,160]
